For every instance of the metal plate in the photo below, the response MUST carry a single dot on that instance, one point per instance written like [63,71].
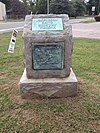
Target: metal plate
[48,56]
[47,24]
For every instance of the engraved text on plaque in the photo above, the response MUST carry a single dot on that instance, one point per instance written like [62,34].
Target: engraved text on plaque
[48,56]
[47,24]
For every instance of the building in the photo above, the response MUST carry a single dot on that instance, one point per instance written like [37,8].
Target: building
[2,11]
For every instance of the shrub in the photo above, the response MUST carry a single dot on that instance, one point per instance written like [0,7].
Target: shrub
[97,18]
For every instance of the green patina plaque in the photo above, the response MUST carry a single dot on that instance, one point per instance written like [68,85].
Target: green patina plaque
[48,56]
[47,24]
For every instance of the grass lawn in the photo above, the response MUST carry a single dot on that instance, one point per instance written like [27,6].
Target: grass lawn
[13,20]
[80,114]
[80,17]
[89,21]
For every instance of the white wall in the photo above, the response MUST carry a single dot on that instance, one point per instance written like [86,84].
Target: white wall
[2,11]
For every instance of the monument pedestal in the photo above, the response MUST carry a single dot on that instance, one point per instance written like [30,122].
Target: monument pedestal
[48,87]
[47,44]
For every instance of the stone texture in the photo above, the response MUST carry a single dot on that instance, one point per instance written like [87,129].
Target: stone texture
[48,87]
[30,37]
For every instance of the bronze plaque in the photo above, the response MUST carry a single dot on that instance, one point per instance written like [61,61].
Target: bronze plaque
[47,56]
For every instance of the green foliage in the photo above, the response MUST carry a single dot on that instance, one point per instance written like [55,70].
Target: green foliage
[59,6]
[41,7]
[72,8]
[30,4]
[19,10]
[79,8]
[36,6]
[15,8]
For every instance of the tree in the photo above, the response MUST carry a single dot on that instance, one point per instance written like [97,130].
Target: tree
[41,7]
[59,6]
[36,6]
[72,8]
[79,8]
[19,10]
[30,4]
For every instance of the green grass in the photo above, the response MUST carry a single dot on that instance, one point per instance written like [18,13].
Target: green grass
[13,20]
[80,114]
[80,17]
[89,21]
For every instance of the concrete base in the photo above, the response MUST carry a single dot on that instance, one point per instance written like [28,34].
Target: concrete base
[48,87]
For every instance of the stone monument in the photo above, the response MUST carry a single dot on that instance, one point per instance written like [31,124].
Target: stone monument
[47,44]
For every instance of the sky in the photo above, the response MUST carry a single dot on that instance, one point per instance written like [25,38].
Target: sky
[86,0]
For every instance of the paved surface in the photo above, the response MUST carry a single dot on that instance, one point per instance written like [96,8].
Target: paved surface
[87,30]
[90,30]
[9,26]
[74,21]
